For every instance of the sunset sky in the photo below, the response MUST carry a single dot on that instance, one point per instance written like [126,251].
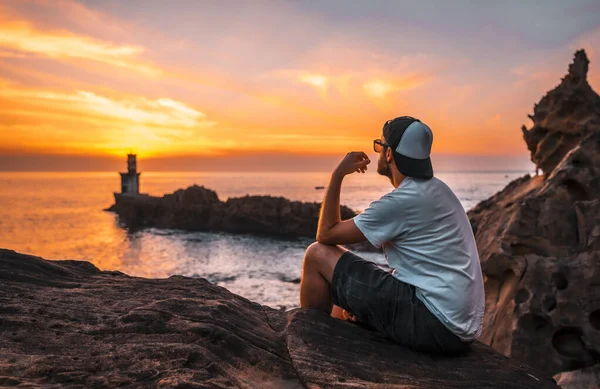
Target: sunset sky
[193,85]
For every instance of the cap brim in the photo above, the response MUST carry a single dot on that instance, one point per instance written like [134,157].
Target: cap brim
[410,167]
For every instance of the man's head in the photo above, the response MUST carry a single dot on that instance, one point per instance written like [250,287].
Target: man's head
[406,145]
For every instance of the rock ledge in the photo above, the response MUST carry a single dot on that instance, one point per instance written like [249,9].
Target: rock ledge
[68,324]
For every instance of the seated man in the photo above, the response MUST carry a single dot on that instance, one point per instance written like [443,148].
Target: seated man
[433,300]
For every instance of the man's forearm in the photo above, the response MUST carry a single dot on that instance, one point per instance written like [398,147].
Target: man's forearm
[330,209]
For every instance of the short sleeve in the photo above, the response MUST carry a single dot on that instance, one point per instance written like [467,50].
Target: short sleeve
[382,221]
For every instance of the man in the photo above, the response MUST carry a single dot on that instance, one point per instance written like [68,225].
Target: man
[433,300]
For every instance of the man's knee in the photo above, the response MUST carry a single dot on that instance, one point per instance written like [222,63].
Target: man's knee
[315,251]
[319,251]
[322,257]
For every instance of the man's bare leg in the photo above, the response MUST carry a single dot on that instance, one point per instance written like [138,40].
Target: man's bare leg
[317,273]
[338,313]
[342,314]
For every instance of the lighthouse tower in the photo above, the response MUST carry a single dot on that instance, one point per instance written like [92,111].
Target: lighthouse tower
[130,181]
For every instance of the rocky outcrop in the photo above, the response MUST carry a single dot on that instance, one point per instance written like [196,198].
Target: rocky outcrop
[199,209]
[67,324]
[539,238]
[565,116]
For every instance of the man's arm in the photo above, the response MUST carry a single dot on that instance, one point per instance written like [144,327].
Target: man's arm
[331,229]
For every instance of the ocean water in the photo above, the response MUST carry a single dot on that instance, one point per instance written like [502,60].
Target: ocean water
[60,216]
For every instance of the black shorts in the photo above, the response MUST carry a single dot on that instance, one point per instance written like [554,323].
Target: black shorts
[390,306]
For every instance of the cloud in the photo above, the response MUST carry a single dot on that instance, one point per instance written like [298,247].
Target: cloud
[161,112]
[20,36]
[317,80]
[350,83]
[86,120]
[136,109]
[379,89]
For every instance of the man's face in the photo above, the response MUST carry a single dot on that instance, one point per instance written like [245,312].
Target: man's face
[383,167]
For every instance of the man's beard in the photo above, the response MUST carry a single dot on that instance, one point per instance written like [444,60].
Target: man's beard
[385,170]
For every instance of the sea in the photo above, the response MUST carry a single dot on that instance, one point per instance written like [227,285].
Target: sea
[61,215]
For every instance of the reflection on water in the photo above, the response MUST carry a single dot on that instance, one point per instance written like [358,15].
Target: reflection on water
[260,269]
[59,216]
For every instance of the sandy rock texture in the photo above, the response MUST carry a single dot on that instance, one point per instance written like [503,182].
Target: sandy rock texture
[65,324]
[539,238]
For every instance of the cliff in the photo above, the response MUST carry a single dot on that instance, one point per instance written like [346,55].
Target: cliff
[539,239]
[68,324]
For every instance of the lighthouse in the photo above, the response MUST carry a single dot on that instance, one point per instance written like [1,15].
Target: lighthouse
[130,181]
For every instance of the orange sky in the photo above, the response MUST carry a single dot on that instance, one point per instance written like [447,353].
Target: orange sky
[177,79]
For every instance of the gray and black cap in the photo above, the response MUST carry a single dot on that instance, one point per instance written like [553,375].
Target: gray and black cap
[410,141]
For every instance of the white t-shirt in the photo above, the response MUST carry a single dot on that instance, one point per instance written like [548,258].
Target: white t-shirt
[428,240]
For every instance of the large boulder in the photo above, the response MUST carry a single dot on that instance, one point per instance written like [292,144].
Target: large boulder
[539,238]
[68,324]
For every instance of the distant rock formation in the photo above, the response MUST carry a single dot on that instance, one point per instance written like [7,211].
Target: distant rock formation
[565,116]
[539,239]
[199,209]
[66,324]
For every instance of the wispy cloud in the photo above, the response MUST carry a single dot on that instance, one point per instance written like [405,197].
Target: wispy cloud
[19,36]
[319,81]
[116,123]
[352,82]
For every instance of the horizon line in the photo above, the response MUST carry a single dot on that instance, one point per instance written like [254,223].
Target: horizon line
[248,171]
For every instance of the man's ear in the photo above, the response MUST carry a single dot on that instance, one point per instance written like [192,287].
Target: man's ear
[388,155]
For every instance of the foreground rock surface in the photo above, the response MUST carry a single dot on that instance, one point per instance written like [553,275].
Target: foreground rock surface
[199,209]
[67,324]
[539,239]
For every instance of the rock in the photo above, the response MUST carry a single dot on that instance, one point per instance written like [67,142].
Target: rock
[199,209]
[68,324]
[587,378]
[565,116]
[539,239]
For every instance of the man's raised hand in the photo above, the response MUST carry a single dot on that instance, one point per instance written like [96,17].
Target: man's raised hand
[355,161]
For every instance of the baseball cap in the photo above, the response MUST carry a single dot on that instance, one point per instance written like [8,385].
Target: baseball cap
[410,141]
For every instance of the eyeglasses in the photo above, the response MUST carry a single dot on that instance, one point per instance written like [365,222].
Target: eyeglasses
[378,145]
